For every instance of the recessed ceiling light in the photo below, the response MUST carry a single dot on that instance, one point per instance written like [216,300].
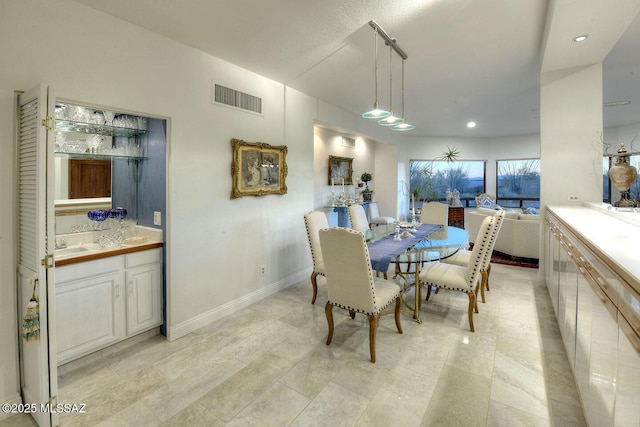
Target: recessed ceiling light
[581,38]
[471,125]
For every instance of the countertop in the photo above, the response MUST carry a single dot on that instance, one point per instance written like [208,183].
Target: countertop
[614,236]
[105,253]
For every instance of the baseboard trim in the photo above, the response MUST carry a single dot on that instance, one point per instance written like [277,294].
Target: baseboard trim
[204,319]
[13,400]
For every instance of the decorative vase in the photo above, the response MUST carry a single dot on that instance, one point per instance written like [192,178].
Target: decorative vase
[622,176]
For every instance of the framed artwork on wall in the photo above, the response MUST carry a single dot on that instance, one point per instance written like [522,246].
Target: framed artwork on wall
[258,169]
[340,170]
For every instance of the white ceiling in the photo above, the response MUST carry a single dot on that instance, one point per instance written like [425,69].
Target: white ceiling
[467,59]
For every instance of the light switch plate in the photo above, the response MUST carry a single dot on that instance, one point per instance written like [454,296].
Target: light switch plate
[157,218]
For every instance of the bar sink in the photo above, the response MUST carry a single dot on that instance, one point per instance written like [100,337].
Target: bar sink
[72,250]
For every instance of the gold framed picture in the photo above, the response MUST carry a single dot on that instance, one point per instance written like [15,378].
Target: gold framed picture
[340,170]
[258,169]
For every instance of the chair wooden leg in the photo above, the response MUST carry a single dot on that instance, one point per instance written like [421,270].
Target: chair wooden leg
[428,292]
[314,284]
[328,311]
[483,284]
[373,327]
[472,304]
[352,314]
[398,308]
[488,273]
[476,291]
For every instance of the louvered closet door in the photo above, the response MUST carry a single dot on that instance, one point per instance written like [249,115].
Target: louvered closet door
[35,242]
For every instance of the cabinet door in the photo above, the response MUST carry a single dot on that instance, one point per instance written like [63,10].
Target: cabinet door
[627,411]
[596,352]
[552,269]
[567,300]
[35,237]
[89,312]
[144,297]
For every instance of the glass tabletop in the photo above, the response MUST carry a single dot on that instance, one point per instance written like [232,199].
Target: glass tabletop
[440,244]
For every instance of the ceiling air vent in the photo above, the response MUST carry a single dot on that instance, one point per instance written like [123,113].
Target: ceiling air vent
[235,98]
[348,142]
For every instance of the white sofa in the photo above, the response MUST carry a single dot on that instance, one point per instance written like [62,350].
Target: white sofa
[518,237]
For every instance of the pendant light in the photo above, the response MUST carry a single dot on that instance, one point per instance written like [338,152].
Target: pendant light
[403,125]
[376,113]
[390,120]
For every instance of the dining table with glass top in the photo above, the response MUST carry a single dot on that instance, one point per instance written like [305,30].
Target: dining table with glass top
[408,246]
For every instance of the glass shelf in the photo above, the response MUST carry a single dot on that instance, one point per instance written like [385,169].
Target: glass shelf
[97,156]
[72,126]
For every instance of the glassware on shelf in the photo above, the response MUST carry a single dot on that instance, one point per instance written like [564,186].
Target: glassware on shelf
[108,117]
[94,143]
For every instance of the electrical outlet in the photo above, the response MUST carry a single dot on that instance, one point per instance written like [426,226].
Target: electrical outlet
[573,198]
[157,218]
[262,270]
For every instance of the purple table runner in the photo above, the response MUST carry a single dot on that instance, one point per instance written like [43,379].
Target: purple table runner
[382,250]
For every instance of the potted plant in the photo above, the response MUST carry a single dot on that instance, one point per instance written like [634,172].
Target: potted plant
[425,191]
[367,193]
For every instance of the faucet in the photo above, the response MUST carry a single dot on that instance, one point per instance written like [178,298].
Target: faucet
[62,244]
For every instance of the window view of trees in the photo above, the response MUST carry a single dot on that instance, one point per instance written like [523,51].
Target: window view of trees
[430,179]
[518,183]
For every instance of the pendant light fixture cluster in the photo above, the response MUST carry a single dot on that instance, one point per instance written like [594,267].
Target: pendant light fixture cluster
[387,118]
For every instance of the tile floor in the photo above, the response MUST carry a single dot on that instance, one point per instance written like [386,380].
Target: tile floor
[268,365]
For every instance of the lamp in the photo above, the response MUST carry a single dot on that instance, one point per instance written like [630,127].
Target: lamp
[376,113]
[402,126]
[390,120]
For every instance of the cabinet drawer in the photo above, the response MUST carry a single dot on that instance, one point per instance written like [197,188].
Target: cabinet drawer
[141,258]
[606,278]
[629,307]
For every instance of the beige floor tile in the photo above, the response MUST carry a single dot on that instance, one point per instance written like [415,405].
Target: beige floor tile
[335,406]
[459,399]
[277,406]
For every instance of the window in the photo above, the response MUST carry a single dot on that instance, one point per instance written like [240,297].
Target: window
[606,184]
[430,179]
[518,183]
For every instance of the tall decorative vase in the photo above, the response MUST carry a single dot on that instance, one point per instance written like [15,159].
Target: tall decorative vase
[622,175]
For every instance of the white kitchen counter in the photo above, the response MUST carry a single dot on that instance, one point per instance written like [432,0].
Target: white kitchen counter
[614,236]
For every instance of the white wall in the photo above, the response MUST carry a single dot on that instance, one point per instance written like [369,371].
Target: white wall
[571,135]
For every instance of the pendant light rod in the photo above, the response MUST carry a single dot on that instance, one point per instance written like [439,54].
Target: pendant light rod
[388,40]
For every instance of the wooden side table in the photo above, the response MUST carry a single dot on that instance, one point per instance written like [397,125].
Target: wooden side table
[456,216]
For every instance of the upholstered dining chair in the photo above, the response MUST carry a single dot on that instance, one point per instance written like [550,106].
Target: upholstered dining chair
[314,222]
[459,278]
[351,284]
[463,256]
[359,221]
[376,219]
[358,218]
[435,213]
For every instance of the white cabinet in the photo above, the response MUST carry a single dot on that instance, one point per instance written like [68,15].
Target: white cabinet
[567,295]
[105,301]
[144,296]
[596,352]
[89,306]
[627,405]
[599,319]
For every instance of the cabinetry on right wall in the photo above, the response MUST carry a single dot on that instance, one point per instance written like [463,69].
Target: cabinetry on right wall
[598,313]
